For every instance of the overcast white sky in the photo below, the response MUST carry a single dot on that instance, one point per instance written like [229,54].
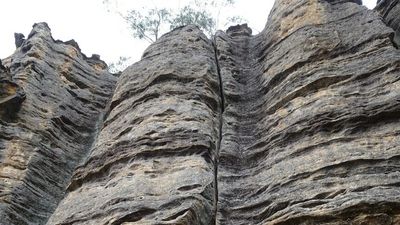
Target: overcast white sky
[95,29]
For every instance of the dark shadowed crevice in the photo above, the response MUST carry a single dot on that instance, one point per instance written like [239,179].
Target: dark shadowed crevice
[395,39]
[388,9]
[135,216]
[222,109]
[221,89]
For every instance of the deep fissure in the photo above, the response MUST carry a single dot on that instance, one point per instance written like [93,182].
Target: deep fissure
[220,119]
[276,142]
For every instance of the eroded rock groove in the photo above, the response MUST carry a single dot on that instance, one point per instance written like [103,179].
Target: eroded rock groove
[161,140]
[52,99]
[300,102]
[239,73]
[296,125]
[220,132]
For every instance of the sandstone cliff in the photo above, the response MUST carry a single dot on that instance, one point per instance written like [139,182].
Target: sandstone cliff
[390,11]
[296,125]
[52,101]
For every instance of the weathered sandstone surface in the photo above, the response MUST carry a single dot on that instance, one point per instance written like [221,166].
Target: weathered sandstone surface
[297,125]
[153,162]
[390,11]
[311,123]
[52,98]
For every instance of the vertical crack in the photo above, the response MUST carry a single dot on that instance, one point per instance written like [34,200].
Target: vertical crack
[220,119]
[395,38]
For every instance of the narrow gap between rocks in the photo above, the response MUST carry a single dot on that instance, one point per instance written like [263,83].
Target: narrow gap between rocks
[222,109]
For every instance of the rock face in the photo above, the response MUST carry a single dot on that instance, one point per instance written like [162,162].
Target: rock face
[297,125]
[51,101]
[311,123]
[11,95]
[390,11]
[154,158]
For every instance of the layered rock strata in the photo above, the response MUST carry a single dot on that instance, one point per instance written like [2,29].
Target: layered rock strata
[298,125]
[390,11]
[52,98]
[311,123]
[154,159]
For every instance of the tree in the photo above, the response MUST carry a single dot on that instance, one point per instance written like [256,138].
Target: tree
[189,15]
[149,24]
[120,65]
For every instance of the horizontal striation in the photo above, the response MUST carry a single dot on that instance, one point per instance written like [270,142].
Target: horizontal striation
[310,128]
[65,94]
[389,10]
[153,161]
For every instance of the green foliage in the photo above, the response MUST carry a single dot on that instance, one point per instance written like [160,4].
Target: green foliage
[120,65]
[204,14]
[149,24]
[201,18]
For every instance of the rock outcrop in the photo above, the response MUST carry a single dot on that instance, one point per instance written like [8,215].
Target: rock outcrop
[52,100]
[390,11]
[297,125]
[154,158]
[310,132]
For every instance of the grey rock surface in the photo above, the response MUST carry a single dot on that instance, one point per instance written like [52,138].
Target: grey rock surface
[19,39]
[52,98]
[297,125]
[154,159]
[390,11]
[311,121]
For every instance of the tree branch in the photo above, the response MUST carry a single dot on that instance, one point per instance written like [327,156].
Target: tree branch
[137,28]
